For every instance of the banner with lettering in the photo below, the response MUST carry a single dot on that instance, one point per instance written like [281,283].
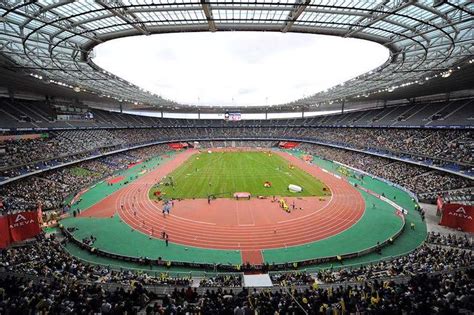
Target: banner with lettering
[458,216]
[23,225]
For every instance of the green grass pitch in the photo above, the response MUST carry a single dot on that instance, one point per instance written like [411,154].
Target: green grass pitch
[223,173]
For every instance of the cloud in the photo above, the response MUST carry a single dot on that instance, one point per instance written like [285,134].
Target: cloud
[244,91]
[238,68]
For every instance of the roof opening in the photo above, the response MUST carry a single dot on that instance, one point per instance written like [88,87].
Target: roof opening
[238,68]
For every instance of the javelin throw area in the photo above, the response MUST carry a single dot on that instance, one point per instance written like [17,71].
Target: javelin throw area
[254,231]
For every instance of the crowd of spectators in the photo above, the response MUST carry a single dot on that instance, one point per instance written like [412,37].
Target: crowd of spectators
[32,192]
[43,277]
[416,178]
[59,296]
[292,279]
[93,168]
[451,240]
[442,147]
[437,294]
[446,144]
[46,257]
[56,147]
[463,196]
[425,259]
[222,281]
[436,181]
[453,145]
[49,189]
[57,144]
[236,143]
[451,293]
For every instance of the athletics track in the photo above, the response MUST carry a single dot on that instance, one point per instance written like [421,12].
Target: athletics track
[248,226]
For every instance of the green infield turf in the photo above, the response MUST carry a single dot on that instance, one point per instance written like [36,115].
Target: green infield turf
[221,174]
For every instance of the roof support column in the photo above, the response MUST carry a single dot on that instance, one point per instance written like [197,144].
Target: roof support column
[122,14]
[294,14]
[208,13]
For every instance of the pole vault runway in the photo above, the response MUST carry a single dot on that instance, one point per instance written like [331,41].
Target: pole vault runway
[246,225]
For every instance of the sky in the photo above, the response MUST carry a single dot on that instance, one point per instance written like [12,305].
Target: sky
[238,68]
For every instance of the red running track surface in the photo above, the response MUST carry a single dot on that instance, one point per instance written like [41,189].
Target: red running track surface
[247,225]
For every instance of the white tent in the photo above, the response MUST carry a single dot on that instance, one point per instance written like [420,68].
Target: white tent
[295,188]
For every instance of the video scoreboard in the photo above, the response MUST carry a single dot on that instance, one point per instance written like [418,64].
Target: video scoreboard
[232,116]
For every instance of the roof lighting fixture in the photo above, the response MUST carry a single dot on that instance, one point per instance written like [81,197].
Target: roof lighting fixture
[446,74]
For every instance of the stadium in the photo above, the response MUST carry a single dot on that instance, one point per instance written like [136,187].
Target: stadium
[352,198]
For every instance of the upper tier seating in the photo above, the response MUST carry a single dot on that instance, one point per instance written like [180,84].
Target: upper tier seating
[37,114]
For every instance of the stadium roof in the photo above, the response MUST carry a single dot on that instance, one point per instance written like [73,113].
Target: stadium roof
[52,40]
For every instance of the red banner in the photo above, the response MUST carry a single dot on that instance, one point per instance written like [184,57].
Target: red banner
[23,225]
[178,146]
[288,144]
[458,216]
[4,232]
